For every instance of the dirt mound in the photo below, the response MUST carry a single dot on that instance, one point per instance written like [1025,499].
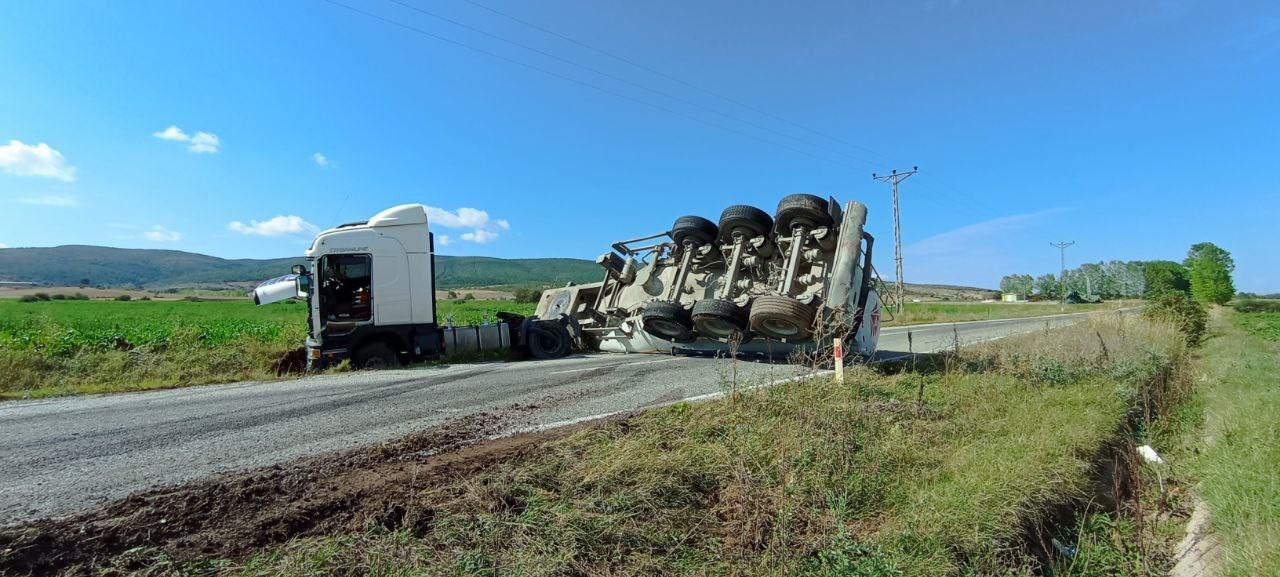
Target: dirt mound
[233,515]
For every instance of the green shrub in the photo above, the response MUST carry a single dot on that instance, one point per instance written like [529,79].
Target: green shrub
[527,295]
[59,297]
[28,299]
[41,296]
[1188,315]
[124,298]
[1050,371]
[1258,306]
[79,297]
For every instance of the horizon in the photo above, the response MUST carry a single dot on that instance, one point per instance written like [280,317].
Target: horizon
[551,131]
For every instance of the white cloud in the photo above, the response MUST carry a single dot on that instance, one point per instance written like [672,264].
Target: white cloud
[200,143]
[978,254]
[161,234]
[58,200]
[277,226]
[3,245]
[480,236]
[462,218]
[204,142]
[172,133]
[22,159]
[484,229]
[320,159]
[978,235]
[443,239]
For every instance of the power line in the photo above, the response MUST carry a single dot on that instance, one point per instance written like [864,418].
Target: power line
[894,178]
[592,86]
[959,203]
[677,80]
[628,82]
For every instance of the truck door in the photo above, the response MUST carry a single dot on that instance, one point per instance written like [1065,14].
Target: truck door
[345,288]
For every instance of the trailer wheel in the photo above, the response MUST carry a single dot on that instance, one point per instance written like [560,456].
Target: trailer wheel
[751,221]
[695,229]
[667,321]
[376,356]
[805,209]
[720,319]
[781,317]
[548,340]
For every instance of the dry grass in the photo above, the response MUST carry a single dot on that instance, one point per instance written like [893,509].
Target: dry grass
[925,313]
[810,478]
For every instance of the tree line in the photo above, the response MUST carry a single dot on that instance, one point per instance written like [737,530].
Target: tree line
[1204,274]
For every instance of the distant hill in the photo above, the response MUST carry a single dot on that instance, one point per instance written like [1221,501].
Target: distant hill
[151,268]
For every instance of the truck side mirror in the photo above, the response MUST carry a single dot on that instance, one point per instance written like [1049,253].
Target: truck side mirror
[298,269]
[304,285]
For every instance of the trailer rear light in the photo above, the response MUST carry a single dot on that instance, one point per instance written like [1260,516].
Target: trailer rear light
[313,353]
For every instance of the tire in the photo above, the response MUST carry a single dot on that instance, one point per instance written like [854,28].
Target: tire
[805,209]
[720,319]
[375,356]
[695,229]
[782,318]
[750,220]
[667,321]
[548,340]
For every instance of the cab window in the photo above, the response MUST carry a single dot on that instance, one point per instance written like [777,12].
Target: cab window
[346,288]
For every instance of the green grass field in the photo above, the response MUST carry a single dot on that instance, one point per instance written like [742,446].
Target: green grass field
[1238,456]
[68,347]
[942,312]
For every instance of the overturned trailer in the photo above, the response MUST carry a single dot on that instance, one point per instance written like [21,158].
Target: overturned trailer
[751,284]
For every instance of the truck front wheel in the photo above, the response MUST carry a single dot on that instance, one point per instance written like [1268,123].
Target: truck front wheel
[375,356]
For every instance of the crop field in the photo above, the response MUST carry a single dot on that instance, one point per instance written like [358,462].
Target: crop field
[73,346]
[920,313]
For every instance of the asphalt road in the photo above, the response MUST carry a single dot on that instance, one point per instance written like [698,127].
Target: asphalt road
[60,455]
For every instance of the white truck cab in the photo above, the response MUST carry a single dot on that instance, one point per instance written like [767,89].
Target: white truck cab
[371,290]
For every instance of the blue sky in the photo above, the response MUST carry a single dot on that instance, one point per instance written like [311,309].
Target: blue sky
[1135,129]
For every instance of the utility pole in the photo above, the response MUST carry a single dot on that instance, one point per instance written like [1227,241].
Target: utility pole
[894,178]
[1062,255]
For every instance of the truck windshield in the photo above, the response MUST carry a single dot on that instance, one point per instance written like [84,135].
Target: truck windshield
[346,290]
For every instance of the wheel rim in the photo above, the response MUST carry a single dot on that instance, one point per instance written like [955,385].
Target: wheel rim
[717,326]
[780,328]
[666,327]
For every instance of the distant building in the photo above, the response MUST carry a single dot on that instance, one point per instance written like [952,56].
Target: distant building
[1012,298]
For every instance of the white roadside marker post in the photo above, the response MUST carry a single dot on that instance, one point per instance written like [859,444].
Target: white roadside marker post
[838,351]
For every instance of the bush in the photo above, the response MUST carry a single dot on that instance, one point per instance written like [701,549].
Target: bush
[469,297]
[527,295]
[1257,306]
[145,298]
[59,297]
[28,299]
[41,296]
[79,297]
[124,298]
[1188,315]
